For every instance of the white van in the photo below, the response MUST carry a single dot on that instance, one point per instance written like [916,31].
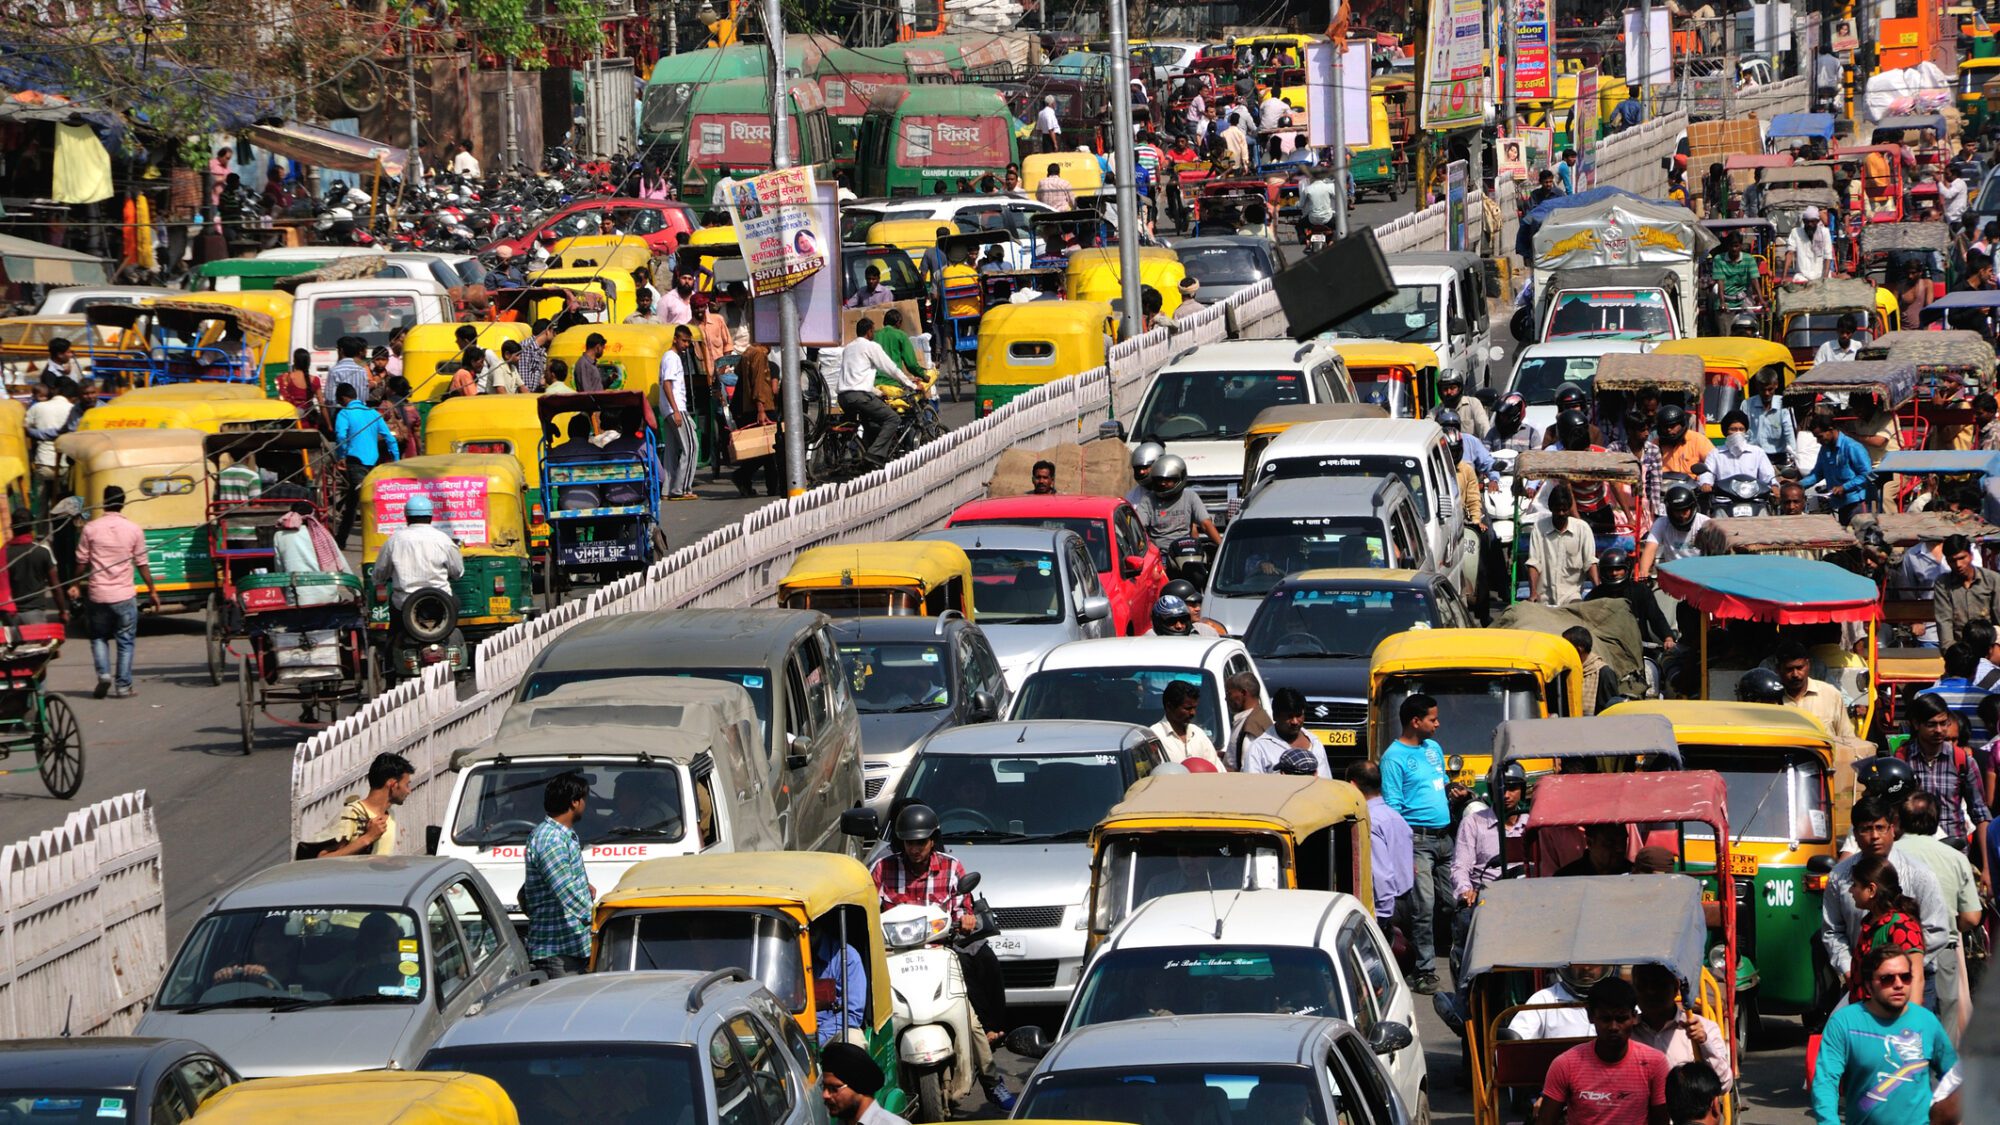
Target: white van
[1202,403]
[1411,449]
[371,308]
[674,767]
[1440,302]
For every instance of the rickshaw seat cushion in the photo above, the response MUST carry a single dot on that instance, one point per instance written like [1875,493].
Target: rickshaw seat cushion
[1524,1063]
[34,634]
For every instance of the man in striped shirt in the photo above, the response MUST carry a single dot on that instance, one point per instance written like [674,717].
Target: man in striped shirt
[556,893]
[534,361]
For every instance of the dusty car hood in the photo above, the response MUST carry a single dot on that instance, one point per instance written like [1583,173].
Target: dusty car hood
[264,1044]
[892,732]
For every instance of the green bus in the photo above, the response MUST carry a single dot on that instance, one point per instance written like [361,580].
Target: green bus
[675,78]
[729,134]
[920,136]
[848,80]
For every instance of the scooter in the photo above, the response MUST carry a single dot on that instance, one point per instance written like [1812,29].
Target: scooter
[932,1008]
[1740,496]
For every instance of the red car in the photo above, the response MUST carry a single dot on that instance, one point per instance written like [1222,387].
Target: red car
[1127,562]
[655,220]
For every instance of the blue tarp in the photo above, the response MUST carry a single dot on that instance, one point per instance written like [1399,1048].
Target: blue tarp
[1950,461]
[1802,125]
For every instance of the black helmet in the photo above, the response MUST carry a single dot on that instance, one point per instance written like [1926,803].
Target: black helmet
[915,823]
[1760,685]
[1514,774]
[1669,417]
[1886,776]
[1571,396]
[1680,498]
[1183,589]
[1614,560]
[1511,409]
[1448,418]
[1573,429]
[1167,477]
[1171,616]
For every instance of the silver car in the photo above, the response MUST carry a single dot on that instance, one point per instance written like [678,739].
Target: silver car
[1016,802]
[1212,1070]
[333,965]
[651,1046]
[1033,589]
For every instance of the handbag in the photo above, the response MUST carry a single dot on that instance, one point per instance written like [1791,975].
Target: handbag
[750,442]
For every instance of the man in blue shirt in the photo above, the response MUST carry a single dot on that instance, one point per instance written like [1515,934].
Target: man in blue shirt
[1389,849]
[1842,465]
[360,432]
[1566,171]
[840,988]
[1771,426]
[1885,1061]
[1414,784]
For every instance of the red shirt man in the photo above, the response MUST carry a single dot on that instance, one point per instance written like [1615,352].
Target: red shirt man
[1610,1080]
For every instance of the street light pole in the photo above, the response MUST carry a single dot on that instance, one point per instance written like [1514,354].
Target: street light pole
[793,405]
[1338,115]
[1128,186]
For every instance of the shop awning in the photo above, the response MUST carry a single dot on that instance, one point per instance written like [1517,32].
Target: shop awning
[38,263]
[324,148]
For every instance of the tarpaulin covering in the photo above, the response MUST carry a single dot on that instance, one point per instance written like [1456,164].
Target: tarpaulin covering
[82,167]
[1620,230]
[324,148]
[1773,588]
[1588,920]
[1524,241]
[1693,796]
[38,263]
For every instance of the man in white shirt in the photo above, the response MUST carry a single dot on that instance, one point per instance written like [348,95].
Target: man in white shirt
[1843,346]
[1272,110]
[1180,737]
[1572,986]
[48,416]
[861,361]
[1809,248]
[1738,456]
[1048,128]
[1952,194]
[465,164]
[1672,535]
[420,556]
[1286,733]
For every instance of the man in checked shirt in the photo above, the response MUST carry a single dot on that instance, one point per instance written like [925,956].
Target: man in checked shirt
[916,873]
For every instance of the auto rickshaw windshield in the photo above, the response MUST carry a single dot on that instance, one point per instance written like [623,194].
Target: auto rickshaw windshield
[764,941]
[1140,866]
[1192,405]
[1260,552]
[1810,330]
[1465,702]
[1722,393]
[1772,796]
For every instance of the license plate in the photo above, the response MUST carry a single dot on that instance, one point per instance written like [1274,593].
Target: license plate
[1742,864]
[1005,946]
[1339,737]
[499,605]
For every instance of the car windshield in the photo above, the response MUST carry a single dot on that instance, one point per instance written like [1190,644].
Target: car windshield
[602,1083]
[1410,315]
[1193,980]
[756,681]
[1117,694]
[1036,796]
[1257,553]
[1143,1094]
[373,319]
[1538,378]
[1095,533]
[1772,797]
[1016,587]
[631,802]
[1225,265]
[1328,621]
[701,941]
[1367,466]
[1187,405]
[1465,702]
[304,956]
[888,678]
[1142,866]
[1639,315]
[69,1107]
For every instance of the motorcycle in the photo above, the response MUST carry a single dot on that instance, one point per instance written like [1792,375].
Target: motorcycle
[422,633]
[1190,558]
[933,1010]
[1314,236]
[1740,496]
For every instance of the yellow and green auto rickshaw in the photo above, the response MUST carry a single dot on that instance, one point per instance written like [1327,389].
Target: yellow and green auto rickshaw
[1094,275]
[164,473]
[431,353]
[1029,345]
[782,915]
[405,1097]
[1480,679]
[505,425]
[631,359]
[904,578]
[1729,363]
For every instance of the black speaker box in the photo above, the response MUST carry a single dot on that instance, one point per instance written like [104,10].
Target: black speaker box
[1346,277]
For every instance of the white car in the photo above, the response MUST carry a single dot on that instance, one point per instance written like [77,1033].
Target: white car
[1540,369]
[1288,952]
[1202,403]
[1120,679]
[966,212]
[70,299]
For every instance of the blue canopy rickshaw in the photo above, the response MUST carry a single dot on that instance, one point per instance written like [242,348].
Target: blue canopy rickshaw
[1799,127]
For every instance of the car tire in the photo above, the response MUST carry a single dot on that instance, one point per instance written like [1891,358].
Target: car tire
[1423,1114]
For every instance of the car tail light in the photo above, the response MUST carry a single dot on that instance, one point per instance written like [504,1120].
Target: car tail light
[539,517]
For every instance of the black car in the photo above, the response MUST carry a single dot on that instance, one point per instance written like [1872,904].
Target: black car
[1316,629]
[913,676]
[86,1081]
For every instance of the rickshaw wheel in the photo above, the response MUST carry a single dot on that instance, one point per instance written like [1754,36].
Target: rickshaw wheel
[218,645]
[246,705]
[59,749]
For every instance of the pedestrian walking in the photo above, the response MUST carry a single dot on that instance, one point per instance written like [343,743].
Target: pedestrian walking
[1241,692]
[107,553]
[347,371]
[1843,916]
[849,1081]
[556,893]
[367,824]
[1391,853]
[1960,885]
[679,421]
[1943,765]
[362,436]
[1414,784]
[1885,1061]
[1286,733]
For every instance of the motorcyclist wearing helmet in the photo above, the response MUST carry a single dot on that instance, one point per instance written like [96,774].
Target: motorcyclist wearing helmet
[1143,456]
[917,872]
[1191,595]
[1738,457]
[1452,396]
[1672,535]
[1684,449]
[419,556]
[1760,685]
[1171,617]
[1510,425]
[1475,856]
[1169,509]
[1571,397]
[1614,570]
[1814,696]
[1476,453]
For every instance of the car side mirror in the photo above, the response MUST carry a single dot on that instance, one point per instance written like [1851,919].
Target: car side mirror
[1130,567]
[862,822]
[433,836]
[793,759]
[1111,431]
[1820,865]
[1388,1037]
[983,708]
[1094,609]
[1029,1041]
[1459,326]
